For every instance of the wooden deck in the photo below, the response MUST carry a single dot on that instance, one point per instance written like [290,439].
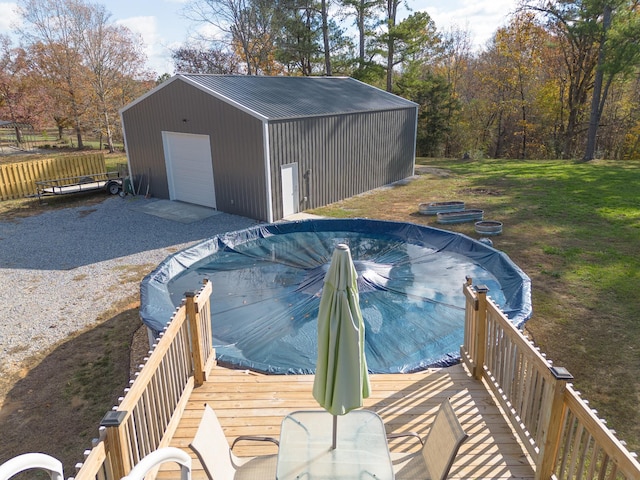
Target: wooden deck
[248,403]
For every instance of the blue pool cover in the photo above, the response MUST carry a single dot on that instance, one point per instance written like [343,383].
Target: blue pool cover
[267,281]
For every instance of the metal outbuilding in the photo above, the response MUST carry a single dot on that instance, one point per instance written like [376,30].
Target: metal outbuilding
[267,147]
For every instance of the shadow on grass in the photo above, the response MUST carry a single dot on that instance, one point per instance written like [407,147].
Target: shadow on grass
[57,407]
[13,210]
[574,229]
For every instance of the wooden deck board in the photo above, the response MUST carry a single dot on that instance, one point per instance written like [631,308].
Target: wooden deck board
[248,403]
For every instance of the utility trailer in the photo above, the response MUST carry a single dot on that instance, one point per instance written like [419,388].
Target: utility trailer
[111,182]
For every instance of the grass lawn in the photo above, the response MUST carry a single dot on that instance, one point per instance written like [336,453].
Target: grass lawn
[575,230]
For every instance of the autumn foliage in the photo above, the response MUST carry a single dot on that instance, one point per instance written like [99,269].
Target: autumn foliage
[560,80]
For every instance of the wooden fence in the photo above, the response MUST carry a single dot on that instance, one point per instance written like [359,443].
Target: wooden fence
[18,180]
[148,414]
[564,437]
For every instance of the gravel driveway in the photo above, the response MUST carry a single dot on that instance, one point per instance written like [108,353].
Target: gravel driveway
[59,271]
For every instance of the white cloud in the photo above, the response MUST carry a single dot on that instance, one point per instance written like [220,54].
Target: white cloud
[480,18]
[207,31]
[8,17]
[155,46]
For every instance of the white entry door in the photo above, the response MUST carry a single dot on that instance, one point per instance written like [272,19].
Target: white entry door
[189,168]
[290,190]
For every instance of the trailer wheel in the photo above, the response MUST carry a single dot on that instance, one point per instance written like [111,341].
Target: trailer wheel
[113,188]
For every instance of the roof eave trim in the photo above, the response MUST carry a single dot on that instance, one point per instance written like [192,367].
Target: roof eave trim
[383,91]
[147,94]
[338,114]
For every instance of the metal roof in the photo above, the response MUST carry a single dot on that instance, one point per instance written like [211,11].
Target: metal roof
[278,98]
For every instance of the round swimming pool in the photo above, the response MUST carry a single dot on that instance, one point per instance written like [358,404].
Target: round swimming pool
[267,281]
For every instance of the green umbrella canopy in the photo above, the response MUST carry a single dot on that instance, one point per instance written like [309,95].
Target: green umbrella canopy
[341,380]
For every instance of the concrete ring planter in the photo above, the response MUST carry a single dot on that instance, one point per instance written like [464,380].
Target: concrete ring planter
[489,227]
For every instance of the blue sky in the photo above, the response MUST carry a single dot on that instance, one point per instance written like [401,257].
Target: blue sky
[162,27]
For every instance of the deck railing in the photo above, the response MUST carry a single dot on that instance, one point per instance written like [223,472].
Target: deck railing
[563,436]
[148,414]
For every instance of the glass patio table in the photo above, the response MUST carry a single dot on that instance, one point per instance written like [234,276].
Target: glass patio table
[361,451]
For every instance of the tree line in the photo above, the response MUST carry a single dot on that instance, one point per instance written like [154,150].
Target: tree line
[74,67]
[560,80]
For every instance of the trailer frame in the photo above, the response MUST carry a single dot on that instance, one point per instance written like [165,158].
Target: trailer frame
[111,182]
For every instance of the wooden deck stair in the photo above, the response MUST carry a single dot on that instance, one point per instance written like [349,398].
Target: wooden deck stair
[249,403]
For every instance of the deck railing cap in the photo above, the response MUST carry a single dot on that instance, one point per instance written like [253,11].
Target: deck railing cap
[561,373]
[113,418]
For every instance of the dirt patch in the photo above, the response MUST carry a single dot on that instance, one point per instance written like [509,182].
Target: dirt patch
[55,402]
[139,350]
[438,172]
[13,210]
[482,191]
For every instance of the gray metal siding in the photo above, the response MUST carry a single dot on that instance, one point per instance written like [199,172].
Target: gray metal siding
[237,147]
[347,154]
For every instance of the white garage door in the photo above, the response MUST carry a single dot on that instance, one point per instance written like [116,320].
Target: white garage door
[189,168]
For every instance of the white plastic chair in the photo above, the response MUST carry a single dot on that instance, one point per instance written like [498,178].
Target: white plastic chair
[155,458]
[28,461]
[218,459]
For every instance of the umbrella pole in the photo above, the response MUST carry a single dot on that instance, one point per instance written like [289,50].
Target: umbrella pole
[335,432]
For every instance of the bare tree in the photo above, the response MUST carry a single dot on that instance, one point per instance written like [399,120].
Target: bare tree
[110,53]
[392,13]
[22,99]
[195,59]
[325,37]
[84,58]
[245,26]
[364,12]
[49,28]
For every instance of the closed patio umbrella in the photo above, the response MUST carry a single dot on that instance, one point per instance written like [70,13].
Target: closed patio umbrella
[341,380]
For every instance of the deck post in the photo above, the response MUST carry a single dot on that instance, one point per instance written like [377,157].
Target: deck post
[116,442]
[552,424]
[481,331]
[194,327]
